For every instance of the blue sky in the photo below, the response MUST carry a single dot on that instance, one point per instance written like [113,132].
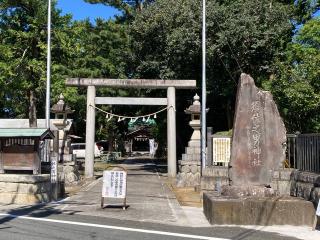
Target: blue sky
[81,10]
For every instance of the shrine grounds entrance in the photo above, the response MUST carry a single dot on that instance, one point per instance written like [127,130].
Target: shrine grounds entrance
[92,101]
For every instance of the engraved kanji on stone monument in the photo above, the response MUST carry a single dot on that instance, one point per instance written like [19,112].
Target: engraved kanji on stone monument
[259,136]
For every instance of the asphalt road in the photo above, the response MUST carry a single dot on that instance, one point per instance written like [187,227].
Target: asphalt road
[48,224]
[154,213]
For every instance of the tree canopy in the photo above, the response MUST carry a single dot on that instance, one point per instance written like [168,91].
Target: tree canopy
[296,85]
[79,49]
[162,39]
[242,36]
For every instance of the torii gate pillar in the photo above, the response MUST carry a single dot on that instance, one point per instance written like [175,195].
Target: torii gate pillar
[171,132]
[90,131]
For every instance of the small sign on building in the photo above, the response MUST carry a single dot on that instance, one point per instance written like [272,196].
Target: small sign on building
[114,184]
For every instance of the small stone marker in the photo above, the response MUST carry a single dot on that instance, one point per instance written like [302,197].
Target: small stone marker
[54,178]
[114,185]
[259,136]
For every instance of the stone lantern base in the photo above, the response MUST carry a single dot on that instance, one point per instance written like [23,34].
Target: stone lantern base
[189,166]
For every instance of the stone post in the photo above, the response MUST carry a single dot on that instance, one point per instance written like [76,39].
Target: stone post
[171,132]
[54,178]
[56,144]
[90,132]
[209,147]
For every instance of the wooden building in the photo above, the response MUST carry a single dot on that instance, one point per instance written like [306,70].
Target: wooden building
[20,148]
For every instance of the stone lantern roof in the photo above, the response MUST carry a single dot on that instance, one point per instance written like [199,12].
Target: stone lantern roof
[195,108]
[61,106]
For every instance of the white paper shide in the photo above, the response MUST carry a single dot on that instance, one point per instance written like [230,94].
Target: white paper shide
[114,184]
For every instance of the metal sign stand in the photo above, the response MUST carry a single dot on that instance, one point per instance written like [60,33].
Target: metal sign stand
[114,185]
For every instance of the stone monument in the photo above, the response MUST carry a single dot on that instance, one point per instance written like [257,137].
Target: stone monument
[258,142]
[189,166]
[258,149]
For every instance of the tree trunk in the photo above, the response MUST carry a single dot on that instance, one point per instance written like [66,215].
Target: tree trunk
[32,110]
[229,114]
[110,143]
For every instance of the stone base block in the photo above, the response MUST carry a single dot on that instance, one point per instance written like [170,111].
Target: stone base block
[258,211]
[213,183]
[245,191]
[188,179]
[196,144]
[191,157]
[71,174]
[192,150]
[283,187]
[24,189]
[216,171]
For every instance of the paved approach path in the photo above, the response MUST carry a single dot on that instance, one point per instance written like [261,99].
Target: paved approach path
[148,197]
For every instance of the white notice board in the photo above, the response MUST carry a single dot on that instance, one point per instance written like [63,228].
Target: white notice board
[318,209]
[114,184]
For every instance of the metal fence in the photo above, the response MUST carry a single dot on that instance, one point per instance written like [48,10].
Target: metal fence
[303,152]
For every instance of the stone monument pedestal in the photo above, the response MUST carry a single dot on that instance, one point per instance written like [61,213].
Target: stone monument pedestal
[248,191]
[265,211]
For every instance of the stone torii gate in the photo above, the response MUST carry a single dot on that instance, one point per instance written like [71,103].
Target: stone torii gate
[92,100]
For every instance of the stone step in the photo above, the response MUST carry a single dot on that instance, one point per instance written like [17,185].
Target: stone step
[191,157]
[194,144]
[192,150]
[198,163]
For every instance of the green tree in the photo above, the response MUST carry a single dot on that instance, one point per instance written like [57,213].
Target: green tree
[23,60]
[79,49]
[99,52]
[296,84]
[242,36]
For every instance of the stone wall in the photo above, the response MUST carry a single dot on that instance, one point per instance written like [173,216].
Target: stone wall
[288,182]
[305,185]
[24,189]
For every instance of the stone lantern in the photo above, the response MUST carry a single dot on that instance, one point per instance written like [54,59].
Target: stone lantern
[195,111]
[189,165]
[61,111]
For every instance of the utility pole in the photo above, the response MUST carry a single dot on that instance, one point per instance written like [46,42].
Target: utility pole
[48,67]
[204,90]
